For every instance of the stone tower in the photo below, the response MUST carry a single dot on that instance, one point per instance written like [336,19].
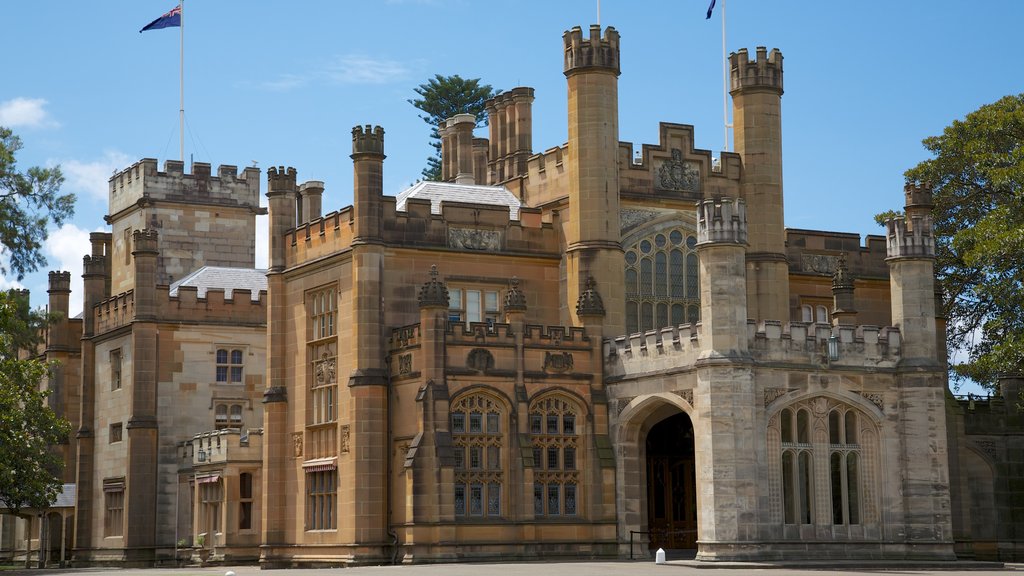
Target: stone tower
[724,426]
[921,375]
[365,501]
[592,234]
[756,89]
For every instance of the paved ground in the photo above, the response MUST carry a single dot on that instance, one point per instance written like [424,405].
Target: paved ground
[674,568]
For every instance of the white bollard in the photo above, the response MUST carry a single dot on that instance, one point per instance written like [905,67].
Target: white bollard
[229,573]
[659,558]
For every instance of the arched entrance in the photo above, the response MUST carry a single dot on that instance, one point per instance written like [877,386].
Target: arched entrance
[671,484]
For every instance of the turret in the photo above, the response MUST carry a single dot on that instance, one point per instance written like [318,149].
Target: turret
[510,117]
[592,232]
[368,187]
[721,243]
[844,312]
[756,89]
[281,193]
[311,194]
[457,149]
[59,304]
[911,258]
[144,253]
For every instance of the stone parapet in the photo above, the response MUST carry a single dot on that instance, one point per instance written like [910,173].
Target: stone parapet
[594,52]
[764,72]
[368,140]
[118,311]
[226,445]
[911,239]
[143,180]
[114,312]
[794,344]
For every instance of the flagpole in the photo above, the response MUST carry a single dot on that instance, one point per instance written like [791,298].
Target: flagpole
[725,84]
[181,84]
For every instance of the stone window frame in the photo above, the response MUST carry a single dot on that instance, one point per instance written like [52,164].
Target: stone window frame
[556,479]
[322,306]
[211,496]
[815,312]
[662,276]
[486,309]
[116,357]
[227,415]
[116,433]
[321,500]
[113,507]
[820,450]
[229,362]
[479,423]
[245,500]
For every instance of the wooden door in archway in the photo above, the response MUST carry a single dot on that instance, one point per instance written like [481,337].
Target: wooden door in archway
[671,484]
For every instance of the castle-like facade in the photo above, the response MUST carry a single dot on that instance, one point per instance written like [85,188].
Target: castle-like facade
[571,353]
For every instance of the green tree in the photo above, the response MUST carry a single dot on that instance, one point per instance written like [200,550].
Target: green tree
[28,202]
[977,174]
[29,428]
[443,97]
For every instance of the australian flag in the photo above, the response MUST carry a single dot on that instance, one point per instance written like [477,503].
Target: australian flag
[711,9]
[171,19]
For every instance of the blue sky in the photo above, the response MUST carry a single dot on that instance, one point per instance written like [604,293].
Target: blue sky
[283,83]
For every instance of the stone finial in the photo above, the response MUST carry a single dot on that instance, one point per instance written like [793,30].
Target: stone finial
[589,303]
[764,72]
[515,300]
[841,278]
[434,293]
[596,52]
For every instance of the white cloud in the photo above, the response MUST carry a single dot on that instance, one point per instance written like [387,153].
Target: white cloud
[358,69]
[284,83]
[25,112]
[93,177]
[64,249]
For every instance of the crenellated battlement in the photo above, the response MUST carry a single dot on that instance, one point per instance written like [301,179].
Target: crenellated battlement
[918,195]
[114,312]
[238,309]
[910,237]
[722,220]
[280,180]
[143,180]
[793,344]
[145,240]
[59,281]
[594,52]
[368,140]
[764,72]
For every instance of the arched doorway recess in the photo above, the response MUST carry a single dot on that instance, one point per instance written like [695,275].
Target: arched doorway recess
[671,484]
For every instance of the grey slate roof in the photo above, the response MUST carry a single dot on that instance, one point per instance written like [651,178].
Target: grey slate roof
[438,192]
[229,279]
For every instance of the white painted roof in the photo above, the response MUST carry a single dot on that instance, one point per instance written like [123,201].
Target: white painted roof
[229,279]
[438,192]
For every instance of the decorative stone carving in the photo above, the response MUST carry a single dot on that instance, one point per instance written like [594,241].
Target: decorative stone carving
[631,218]
[772,394]
[325,370]
[557,362]
[297,444]
[474,239]
[874,398]
[344,441]
[988,447]
[480,360]
[819,263]
[685,395]
[623,402]
[675,174]
[819,406]
[405,363]
[403,335]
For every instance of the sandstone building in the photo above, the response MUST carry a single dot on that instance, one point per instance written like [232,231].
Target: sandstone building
[561,353]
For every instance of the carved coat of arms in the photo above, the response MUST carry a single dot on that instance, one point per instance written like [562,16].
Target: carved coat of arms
[675,174]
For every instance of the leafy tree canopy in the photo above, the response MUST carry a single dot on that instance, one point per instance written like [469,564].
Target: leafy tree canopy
[29,428]
[443,97]
[977,174]
[28,201]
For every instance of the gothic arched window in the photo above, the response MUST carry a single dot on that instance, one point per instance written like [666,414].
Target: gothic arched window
[555,435]
[662,280]
[478,423]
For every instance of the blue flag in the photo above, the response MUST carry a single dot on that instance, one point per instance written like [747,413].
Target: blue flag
[171,19]
[710,8]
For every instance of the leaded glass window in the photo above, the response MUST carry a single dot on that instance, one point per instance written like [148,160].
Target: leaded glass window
[662,280]
[555,456]
[477,423]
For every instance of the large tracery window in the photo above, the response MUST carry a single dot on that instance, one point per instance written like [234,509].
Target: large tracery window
[662,280]
[477,422]
[556,452]
[826,467]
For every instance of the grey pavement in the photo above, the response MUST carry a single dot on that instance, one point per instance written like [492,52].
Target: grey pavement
[637,568]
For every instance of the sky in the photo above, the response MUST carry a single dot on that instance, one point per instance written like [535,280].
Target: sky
[283,83]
